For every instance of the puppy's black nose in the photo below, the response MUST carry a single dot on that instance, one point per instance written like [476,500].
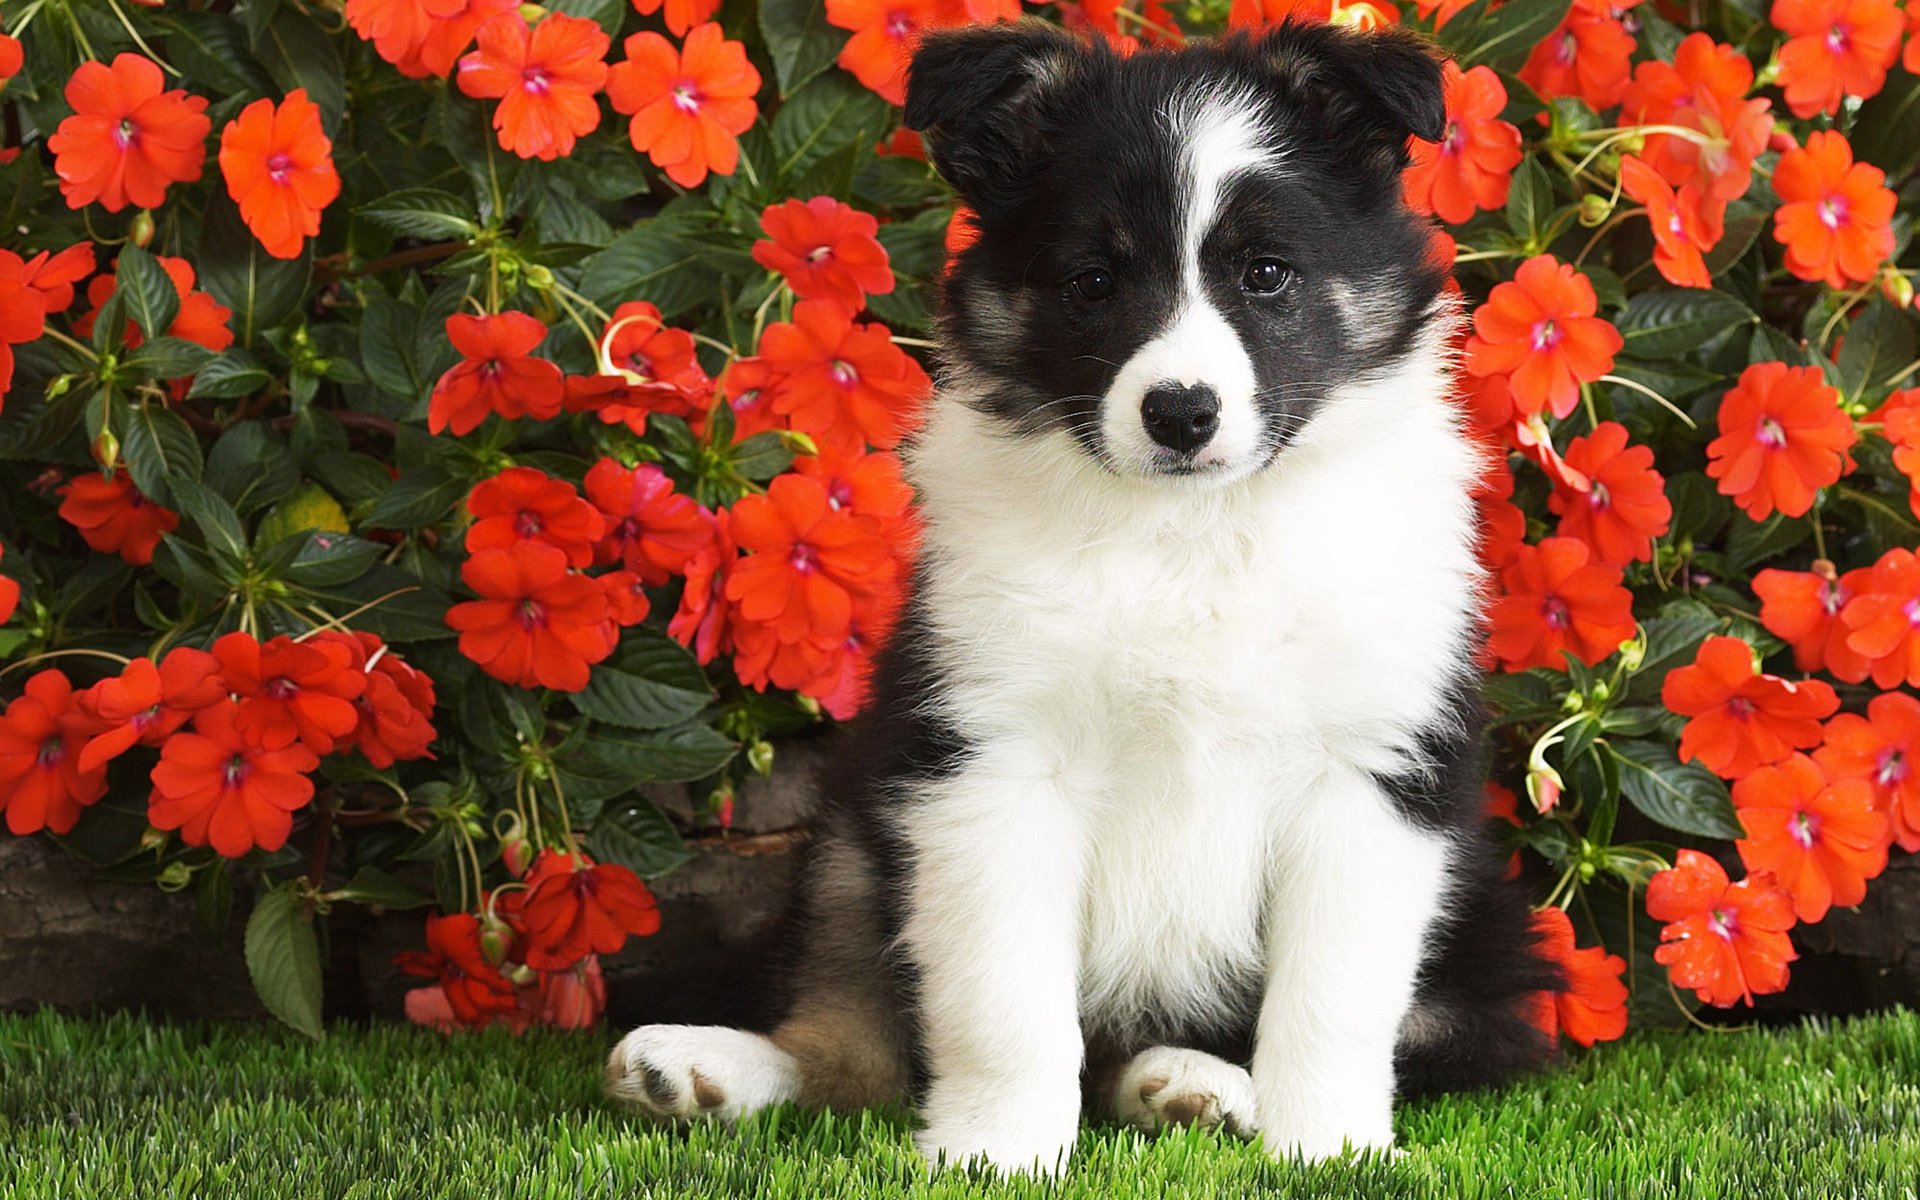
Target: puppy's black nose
[1181,418]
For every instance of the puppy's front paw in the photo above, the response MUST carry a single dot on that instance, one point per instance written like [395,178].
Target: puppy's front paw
[1312,1139]
[1171,1086]
[1011,1132]
[684,1071]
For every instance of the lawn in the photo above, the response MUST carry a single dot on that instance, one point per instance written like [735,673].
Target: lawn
[94,1109]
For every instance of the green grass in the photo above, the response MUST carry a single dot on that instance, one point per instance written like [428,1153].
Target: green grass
[91,1110]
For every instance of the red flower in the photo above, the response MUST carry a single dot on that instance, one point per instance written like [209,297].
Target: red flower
[12,58]
[114,518]
[681,15]
[144,704]
[1540,332]
[884,35]
[1625,506]
[1702,89]
[52,275]
[1782,439]
[1590,56]
[1835,49]
[1472,164]
[808,564]
[497,376]
[574,907]
[41,783]
[826,250]
[399,29]
[748,386]
[1593,1008]
[1899,420]
[221,788]
[278,164]
[396,705]
[617,400]
[841,381]
[639,343]
[1742,719]
[687,106]
[701,621]
[627,600]
[23,311]
[1882,748]
[865,484]
[573,998]
[546,79]
[1911,59]
[201,319]
[1883,619]
[1820,838]
[649,528]
[1555,599]
[1803,608]
[1725,941]
[128,139]
[1685,225]
[1836,215]
[537,624]
[475,989]
[9,595]
[526,504]
[292,691]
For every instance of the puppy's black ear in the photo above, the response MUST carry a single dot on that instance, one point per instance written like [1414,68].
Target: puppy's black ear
[1383,84]
[977,94]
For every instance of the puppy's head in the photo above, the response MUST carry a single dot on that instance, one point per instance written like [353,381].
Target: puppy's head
[1180,253]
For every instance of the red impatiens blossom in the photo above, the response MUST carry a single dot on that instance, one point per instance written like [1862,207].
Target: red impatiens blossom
[1820,837]
[1899,420]
[1882,748]
[12,58]
[1725,941]
[1539,331]
[1625,506]
[9,594]
[1742,719]
[1803,609]
[546,79]
[41,783]
[1782,438]
[23,313]
[1703,89]
[498,374]
[1593,1007]
[1835,49]
[395,706]
[1836,215]
[536,624]
[808,564]
[574,907]
[201,319]
[826,250]
[701,622]
[52,275]
[113,517]
[688,105]
[680,15]
[292,691]
[1911,59]
[278,164]
[146,703]
[399,28]
[1685,224]
[884,35]
[748,384]
[1555,599]
[841,381]
[650,529]
[474,988]
[129,139]
[1472,164]
[524,503]
[865,484]
[221,788]
[1589,56]
[639,343]
[1883,619]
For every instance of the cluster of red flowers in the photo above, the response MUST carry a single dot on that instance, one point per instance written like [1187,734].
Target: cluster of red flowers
[239,729]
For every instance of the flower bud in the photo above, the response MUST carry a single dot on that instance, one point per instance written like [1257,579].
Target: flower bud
[1633,651]
[173,877]
[539,277]
[153,839]
[1897,288]
[495,938]
[721,802]
[520,974]
[106,450]
[140,232]
[1544,786]
[760,757]
[1595,209]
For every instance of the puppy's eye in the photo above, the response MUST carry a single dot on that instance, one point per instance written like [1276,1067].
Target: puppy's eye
[1093,285]
[1266,276]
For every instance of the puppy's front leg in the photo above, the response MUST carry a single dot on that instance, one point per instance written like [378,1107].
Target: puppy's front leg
[1356,889]
[992,931]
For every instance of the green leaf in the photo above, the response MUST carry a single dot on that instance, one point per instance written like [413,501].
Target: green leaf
[214,51]
[419,497]
[1510,32]
[828,115]
[658,261]
[762,456]
[678,755]
[652,683]
[1529,200]
[1683,797]
[297,52]
[160,449]
[165,358]
[229,375]
[149,295]
[389,346]
[426,213]
[1879,344]
[1753,542]
[1666,323]
[639,837]
[799,40]
[236,269]
[251,467]
[331,559]
[213,517]
[371,885]
[1886,132]
[607,14]
[283,958]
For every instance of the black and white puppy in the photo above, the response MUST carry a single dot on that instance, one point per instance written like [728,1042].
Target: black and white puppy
[1172,789]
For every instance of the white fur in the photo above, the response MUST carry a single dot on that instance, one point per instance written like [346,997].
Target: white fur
[746,1071]
[1167,1085]
[1181,689]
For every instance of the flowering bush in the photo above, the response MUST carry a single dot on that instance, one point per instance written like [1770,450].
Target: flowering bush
[437,418]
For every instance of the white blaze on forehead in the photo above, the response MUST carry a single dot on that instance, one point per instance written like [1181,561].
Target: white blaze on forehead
[1218,137]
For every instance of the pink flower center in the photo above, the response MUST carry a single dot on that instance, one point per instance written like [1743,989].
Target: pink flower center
[627,531]
[840,494]
[819,254]
[527,524]
[1770,435]
[1674,225]
[1911,609]
[279,166]
[491,370]
[1599,499]
[1893,768]
[1832,599]
[1546,335]
[530,615]
[1838,38]
[51,752]
[1555,613]
[640,364]
[125,133]
[281,688]
[1456,140]
[235,773]
[802,558]
[143,719]
[686,96]
[1802,828]
[1724,923]
[1832,210]
[899,24]
[746,400]
[536,81]
[1568,49]
[1739,708]
[843,373]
